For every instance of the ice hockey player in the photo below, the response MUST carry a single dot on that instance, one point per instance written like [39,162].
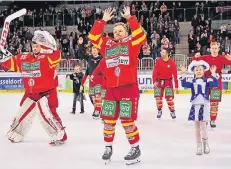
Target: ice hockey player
[199,112]
[101,68]
[52,97]
[219,61]
[122,92]
[77,77]
[94,86]
[38,71]
[164,72]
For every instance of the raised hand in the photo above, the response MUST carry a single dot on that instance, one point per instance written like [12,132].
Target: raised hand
[213,69]
[107,16]
[183,69]
[126,12]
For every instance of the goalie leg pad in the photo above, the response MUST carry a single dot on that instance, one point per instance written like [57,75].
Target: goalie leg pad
[22,121]
[53,127]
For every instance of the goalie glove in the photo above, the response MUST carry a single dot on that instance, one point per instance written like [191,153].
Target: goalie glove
[45,39]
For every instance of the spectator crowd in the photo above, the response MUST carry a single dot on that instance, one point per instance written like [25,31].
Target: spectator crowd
[203,34]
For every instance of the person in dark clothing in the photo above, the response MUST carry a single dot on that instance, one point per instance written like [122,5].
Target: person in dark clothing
[95,86]
[77,77]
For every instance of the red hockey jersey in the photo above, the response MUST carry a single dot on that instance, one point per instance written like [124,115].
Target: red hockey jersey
[121,58]
[165,70]
[38,71]
[219,61]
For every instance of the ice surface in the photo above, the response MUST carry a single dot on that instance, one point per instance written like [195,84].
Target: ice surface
[164,144]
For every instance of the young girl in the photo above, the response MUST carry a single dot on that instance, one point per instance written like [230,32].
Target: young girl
[200,87]
[77,77]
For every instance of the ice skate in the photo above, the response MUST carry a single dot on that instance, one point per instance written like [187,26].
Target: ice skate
[213,124]
[57,142]
[206,146]
[173,115]
[133,156]
[159,114]
[107,154]
[199,149]
[95,115]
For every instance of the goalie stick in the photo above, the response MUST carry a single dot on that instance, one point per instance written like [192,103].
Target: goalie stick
[5,30]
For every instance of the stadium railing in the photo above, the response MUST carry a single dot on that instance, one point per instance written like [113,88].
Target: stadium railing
[144,64]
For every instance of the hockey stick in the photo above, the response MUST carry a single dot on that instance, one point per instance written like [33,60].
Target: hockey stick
[5,30]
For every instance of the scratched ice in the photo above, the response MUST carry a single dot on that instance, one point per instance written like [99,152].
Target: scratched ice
[164,144]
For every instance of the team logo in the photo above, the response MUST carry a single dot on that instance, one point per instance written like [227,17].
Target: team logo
[31,82]
[117,71]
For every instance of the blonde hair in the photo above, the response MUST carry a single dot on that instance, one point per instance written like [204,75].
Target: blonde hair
[214,43]
[126,27]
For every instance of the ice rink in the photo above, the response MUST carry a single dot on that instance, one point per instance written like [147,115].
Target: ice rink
[164,144]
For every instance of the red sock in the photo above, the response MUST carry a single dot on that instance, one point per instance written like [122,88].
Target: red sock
[170,103]
[131,131]
[213,110]
[109,131]
[98,103]
[159,103]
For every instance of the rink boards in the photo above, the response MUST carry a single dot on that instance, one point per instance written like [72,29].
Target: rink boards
[12,83]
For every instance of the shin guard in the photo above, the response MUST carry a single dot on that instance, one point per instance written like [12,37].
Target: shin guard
[22,121]
[132,132]
[213,110]
[109,131]
[53,127]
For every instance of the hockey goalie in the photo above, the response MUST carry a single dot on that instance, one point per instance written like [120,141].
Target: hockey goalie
[39,72]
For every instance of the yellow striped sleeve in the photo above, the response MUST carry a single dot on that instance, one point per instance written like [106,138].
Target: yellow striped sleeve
[98,46]
[54,62]
[12,65]
[137,32]
[94,37]
[139,40]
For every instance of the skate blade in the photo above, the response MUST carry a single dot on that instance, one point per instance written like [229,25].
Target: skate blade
[96,118]
[57,143]
[131,162]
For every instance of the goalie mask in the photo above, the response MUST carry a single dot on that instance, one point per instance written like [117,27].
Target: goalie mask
[44,39]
